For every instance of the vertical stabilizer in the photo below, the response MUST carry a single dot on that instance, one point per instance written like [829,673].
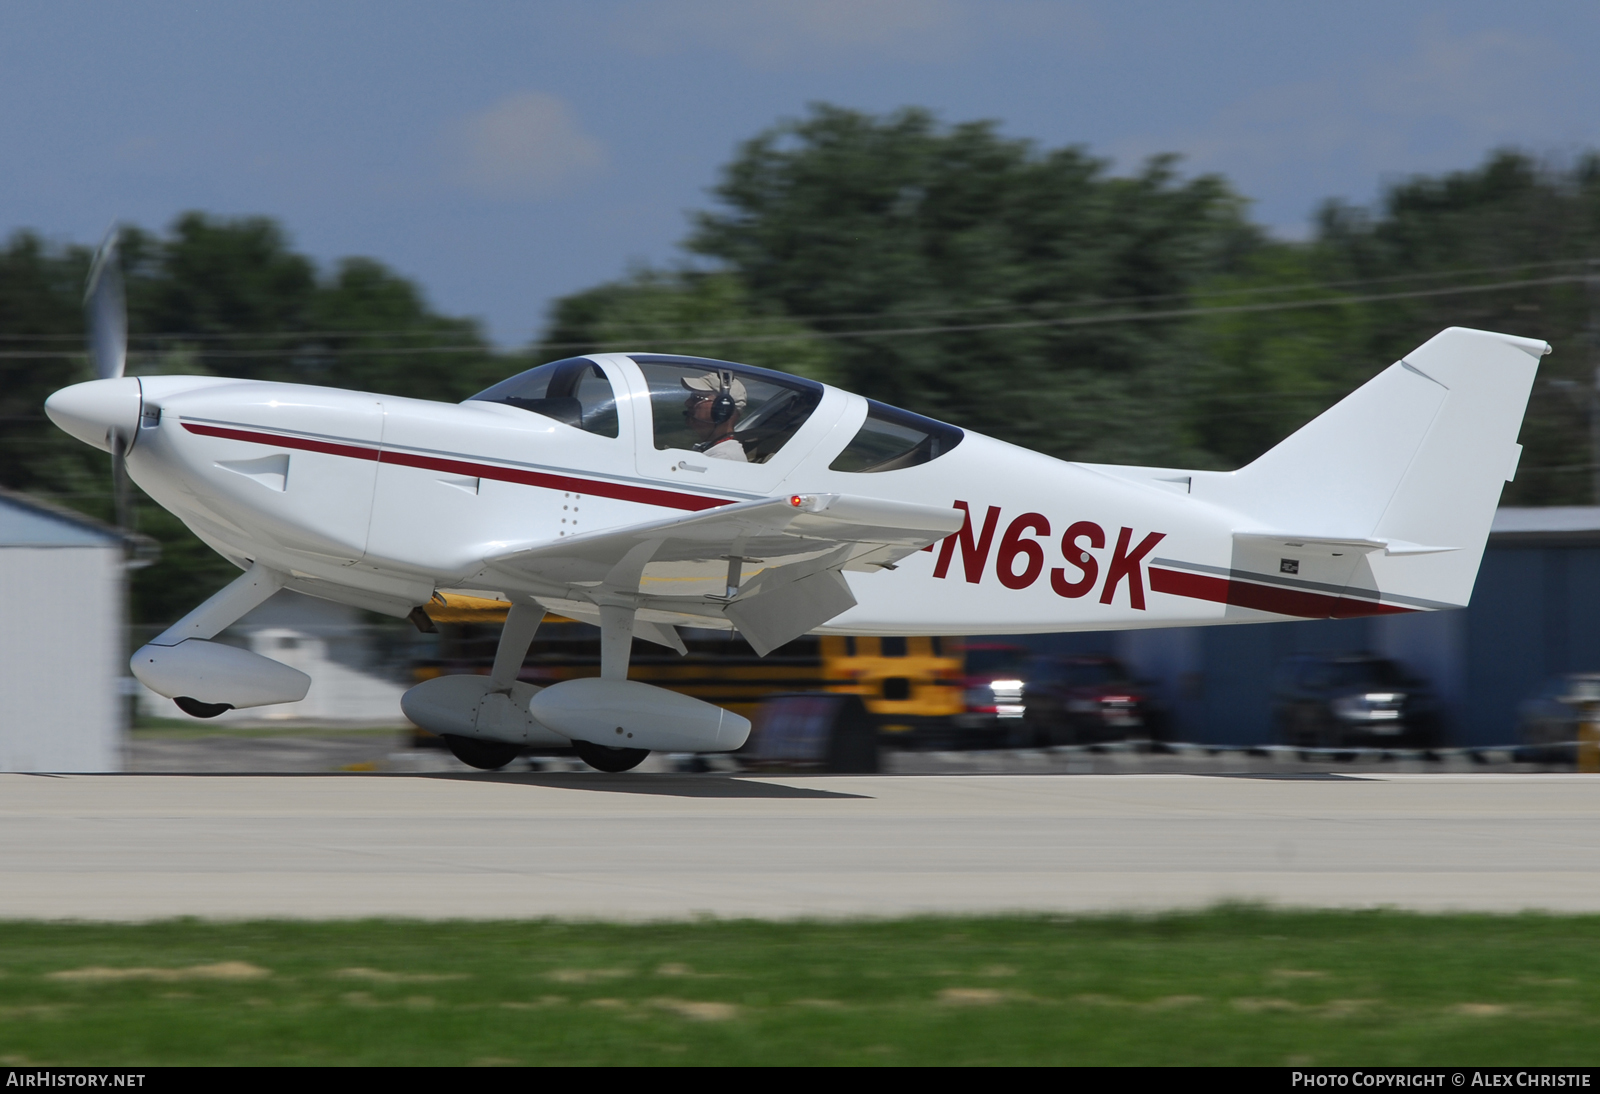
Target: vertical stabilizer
[1413,462]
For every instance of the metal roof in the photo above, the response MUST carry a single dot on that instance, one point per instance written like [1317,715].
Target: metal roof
[26,521]
[1570,525]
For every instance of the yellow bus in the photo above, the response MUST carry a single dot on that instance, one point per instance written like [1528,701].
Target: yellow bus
[911,686]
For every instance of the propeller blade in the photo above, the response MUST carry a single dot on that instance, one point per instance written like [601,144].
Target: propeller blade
[107,311]
[119,480]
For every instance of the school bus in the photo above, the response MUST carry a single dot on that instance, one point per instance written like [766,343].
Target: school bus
[911,686]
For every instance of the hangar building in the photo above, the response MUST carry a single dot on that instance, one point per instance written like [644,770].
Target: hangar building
[62,620]
[1535,613]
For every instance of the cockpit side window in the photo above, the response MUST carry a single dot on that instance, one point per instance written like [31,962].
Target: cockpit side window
[891,438]
[723,410]
[574,391]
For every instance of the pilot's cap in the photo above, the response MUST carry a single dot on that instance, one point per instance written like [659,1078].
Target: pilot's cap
[711,383]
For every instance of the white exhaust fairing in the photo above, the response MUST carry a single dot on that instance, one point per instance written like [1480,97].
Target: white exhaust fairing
[215,673]
[475,706]
[628,714]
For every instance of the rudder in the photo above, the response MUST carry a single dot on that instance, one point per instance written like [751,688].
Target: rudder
[1415,458]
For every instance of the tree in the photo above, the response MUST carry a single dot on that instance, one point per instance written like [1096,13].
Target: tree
[856,224]
[41,343]
[697,314]
[1485,229]
[213,296]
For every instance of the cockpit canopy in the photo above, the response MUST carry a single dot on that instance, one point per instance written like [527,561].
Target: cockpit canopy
[573,391]
[699,404]
[891,439]
[759,409]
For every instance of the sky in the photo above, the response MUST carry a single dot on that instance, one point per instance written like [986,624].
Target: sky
[504,154]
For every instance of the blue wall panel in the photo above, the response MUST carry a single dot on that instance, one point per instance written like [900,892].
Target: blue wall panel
[1512,637]
[1535,613]
[1240,664]
[1582,610]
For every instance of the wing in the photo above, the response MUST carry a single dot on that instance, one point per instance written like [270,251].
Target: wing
[772,567]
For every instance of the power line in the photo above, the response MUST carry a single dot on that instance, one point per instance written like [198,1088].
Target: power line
[1147,298]
[1093,320]
[207,336]
[892,332]
[1308,286]
[272,354]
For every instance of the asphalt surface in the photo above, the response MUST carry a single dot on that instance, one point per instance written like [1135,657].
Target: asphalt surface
[652,845]
[258,751]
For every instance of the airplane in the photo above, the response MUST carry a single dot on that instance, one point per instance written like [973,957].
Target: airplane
[647,492]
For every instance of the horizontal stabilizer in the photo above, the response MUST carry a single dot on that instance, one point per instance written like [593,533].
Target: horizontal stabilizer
[1356,544]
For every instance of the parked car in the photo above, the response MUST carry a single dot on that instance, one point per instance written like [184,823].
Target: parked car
[1547,721]
[991,695]
[1353,699]
[1085,700]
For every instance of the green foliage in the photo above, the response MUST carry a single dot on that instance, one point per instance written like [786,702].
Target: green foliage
[229,298]
[213,297]
[41,349]
[1257,376]
[1510,218]
[856,223]
[698,314]
[1229,986]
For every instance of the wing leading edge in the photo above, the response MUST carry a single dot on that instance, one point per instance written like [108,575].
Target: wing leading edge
[772,568]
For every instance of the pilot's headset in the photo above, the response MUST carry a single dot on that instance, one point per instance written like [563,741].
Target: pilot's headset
[723,406]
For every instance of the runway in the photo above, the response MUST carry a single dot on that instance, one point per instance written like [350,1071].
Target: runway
[632,847]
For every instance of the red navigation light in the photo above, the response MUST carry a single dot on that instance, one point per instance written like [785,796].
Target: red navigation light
[796,500]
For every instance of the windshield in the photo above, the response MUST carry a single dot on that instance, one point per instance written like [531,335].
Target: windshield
[574,391]
[723,410]
[891,439]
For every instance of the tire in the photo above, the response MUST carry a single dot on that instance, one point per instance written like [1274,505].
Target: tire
[196,709]
[484,755]
[1078,730]
[1304,729]
[613,760]
[1424,734]
[1036,733]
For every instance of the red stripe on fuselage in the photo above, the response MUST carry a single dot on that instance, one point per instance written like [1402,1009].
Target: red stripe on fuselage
[622,491]
[644,495]
[1265,598]
[331,448]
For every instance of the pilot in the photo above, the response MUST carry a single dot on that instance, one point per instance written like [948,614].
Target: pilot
[716,403]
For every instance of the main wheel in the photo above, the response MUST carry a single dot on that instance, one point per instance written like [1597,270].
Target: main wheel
[196,709]
[484,755]
[602,758]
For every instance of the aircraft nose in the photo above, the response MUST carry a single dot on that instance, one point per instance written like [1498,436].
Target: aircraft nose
[90,411]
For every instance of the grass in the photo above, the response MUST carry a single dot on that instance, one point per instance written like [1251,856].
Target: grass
[1227,986]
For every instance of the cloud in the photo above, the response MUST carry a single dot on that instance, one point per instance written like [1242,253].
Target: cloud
[789,33]
[1478,84]
[525,146]
[1441,106]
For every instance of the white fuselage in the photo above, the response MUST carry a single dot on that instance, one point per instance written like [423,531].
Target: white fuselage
[380,501]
